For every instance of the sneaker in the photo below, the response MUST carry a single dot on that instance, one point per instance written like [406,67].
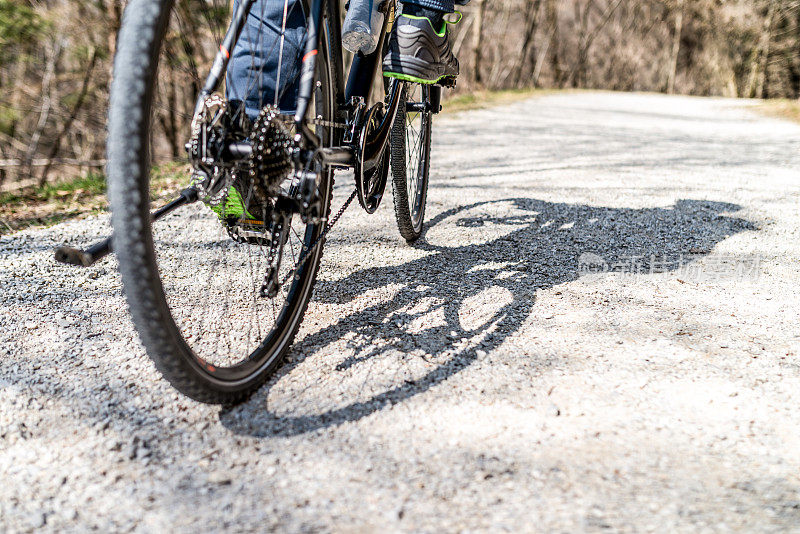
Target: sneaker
[418,53]
[232,208]
[244,221]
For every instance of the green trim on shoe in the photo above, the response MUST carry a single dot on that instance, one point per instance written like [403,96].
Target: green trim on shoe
[233,207]
[439,33]
[413,79]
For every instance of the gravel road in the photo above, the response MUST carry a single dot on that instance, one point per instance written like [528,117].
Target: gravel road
[599,331]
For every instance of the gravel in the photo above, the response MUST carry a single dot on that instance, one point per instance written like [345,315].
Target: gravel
[598,331]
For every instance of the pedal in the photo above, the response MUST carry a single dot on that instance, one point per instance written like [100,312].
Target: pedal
[248,225]
[249,231]
[73,256]
[279,234]
[83,258]
[448,81]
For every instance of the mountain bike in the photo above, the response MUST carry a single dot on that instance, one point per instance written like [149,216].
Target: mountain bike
[218,280]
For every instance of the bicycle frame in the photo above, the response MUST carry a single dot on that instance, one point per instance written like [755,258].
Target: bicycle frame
[359,81]
[359,86]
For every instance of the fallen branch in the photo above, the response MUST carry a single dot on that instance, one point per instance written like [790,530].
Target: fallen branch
[42,162]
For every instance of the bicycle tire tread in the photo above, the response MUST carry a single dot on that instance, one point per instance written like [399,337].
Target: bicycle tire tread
[402,209]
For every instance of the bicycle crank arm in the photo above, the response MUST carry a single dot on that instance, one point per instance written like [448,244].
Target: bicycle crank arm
[378,139]
[98,251]
[84,258]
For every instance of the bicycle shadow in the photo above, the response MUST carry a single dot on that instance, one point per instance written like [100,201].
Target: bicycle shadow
[441,312]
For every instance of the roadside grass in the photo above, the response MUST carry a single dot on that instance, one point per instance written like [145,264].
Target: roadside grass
[781,108]
[76,198]
[52,203]
[484,99]
[86,195]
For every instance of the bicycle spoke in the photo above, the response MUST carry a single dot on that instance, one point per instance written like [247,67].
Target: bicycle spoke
[412,175]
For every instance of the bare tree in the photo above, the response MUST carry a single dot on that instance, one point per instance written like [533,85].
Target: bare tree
[676,46]
[57,54]
[477,40]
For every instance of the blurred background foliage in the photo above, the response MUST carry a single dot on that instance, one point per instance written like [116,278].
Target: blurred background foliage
[56,63]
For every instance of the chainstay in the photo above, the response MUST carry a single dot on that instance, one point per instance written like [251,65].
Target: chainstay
[307,254]
[328,124]
[288,121]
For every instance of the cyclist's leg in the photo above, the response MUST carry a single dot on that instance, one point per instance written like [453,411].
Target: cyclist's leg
[267,57]
[419,47]
[265,62]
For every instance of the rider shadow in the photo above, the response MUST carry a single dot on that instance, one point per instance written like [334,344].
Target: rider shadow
[442,311]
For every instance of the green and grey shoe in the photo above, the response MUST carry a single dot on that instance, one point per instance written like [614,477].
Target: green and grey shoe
[232,207]
[235,212]
[419,53]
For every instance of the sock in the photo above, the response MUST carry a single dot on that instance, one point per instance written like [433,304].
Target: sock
[436,17]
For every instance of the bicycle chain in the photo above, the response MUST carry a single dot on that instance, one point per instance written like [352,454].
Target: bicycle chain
[329,124]
[307,254]
[311,249]
[328,226]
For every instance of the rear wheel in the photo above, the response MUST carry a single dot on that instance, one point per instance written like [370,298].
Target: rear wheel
[194,292]
[410,160]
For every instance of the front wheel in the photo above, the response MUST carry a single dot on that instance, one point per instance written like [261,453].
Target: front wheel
[410,160]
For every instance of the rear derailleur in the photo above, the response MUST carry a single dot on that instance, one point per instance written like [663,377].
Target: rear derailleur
[251,175]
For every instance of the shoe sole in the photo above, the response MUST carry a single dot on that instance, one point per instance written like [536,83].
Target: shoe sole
[416,72]
[444,80]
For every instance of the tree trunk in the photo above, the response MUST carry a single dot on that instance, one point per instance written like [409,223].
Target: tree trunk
[676,48]
[477,41]
[767,40]
[551,14]
[758,63]
[537,68]
[528,49]
[578,76]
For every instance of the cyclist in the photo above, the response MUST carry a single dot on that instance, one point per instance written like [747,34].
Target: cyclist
[419,51]
[267,59]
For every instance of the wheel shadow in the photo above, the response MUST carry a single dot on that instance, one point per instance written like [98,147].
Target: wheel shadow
[458,302]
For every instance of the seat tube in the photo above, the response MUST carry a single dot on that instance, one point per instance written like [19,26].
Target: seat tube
[309,59]
[362,71]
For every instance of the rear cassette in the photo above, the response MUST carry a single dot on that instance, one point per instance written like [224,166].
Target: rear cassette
[271,162]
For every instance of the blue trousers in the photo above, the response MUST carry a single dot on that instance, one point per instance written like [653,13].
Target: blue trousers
[440,5]
[263,65]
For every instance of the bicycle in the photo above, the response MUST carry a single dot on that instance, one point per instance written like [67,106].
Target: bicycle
[211,293]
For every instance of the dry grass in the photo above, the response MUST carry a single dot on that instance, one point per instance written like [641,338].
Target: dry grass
[485,99]
[77,198]
[781,108]
[51,204]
